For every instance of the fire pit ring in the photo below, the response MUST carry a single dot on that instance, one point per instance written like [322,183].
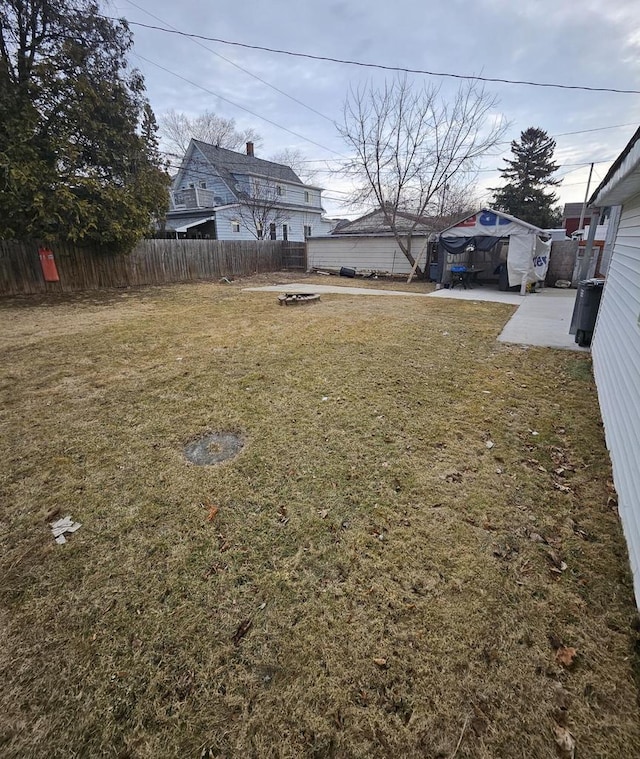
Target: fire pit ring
[297,299]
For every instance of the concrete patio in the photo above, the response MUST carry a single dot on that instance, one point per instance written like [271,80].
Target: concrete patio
[541,319]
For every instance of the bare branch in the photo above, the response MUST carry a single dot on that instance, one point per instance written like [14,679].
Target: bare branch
[177,129]
[261,209]
[412,148]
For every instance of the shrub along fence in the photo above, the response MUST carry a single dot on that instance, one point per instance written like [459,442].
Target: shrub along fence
[152,262]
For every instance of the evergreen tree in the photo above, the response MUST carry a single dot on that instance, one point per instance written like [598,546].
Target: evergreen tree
[528,176]
[78,150]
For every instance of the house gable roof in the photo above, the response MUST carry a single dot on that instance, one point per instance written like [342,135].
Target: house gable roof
[229,163]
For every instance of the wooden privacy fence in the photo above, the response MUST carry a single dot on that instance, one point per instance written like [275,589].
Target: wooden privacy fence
[152,262]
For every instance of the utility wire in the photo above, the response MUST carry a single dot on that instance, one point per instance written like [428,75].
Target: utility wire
[232,63]
[237,105]
[363,64]
[597,129]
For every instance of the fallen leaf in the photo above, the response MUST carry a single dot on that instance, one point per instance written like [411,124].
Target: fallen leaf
[559,565]
[565,742]
[323,513]
[243,629]
[562,697]
[213,513]
[380,662]
[489,444]
[565,655]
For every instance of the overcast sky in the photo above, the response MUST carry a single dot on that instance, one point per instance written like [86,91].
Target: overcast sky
[561,41]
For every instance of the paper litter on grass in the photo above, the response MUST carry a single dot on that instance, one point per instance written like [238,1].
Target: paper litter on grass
[59,527]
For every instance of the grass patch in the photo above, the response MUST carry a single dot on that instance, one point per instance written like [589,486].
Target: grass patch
[376,580]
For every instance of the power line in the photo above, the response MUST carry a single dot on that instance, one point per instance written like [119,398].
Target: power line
[237,105]
[363,64]
[597,129]
[233,63]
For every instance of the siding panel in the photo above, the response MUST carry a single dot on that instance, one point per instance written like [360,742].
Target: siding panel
[616,360]
[377,253]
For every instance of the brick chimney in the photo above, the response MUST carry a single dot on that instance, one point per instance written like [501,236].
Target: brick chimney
[250,149]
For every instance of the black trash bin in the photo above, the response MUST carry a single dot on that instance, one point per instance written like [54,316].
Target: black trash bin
[586,309]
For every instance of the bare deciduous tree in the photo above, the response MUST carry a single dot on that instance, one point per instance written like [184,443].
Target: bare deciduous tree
[455,199]
[295,159]
[177,129]
[409,143]
[262,209]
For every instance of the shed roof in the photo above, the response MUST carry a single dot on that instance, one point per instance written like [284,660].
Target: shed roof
[623,178]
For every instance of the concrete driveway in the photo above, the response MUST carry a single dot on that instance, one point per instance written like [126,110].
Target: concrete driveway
[542,319]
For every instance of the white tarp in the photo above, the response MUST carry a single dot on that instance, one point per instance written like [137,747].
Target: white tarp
[488,222]
[527,259]
[541,255]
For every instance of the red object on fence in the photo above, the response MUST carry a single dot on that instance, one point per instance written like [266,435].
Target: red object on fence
[48,264]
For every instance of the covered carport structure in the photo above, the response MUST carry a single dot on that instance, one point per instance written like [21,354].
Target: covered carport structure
[494,246]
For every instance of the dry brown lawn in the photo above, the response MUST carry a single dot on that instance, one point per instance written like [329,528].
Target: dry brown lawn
[404,589]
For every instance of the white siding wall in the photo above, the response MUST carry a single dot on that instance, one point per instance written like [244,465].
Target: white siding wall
[199,170]
[616,360]
[294,193]
[224,228]
[296,222]
[378,253]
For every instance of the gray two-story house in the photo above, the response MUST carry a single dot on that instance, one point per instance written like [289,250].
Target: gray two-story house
[224,195]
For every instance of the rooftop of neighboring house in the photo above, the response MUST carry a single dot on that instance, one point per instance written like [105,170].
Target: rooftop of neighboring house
[230,162]
[375,223]
[572,210]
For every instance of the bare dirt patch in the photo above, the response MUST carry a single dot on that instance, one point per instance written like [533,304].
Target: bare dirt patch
[369,577]
[213,448]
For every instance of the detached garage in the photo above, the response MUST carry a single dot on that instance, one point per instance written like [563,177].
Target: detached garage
[368,244]
[616,343]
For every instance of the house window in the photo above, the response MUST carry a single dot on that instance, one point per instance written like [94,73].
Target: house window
[272,231]
[281,191]
[307,230]
[285,231]
[307,196]
[235,225]
[260,230]
[191,185]
[203,185]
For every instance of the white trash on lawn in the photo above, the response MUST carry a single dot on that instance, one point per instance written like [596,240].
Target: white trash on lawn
[59,527]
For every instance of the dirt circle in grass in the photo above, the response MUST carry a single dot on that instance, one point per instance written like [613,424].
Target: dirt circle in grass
[213,448]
